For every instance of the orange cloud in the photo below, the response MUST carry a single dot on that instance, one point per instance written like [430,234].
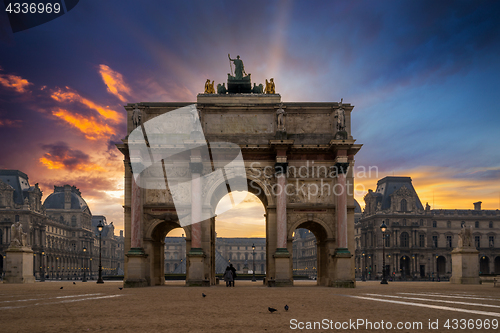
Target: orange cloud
[60,156]
[91,127]
[15,82]
[114,81]
[10,123]
[69,96]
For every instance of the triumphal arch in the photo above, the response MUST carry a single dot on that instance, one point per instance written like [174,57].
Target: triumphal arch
[182,158]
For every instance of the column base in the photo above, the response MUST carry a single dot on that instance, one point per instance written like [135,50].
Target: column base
[19,265]
[197,269]
[282,267]
[136,269]
[342,260]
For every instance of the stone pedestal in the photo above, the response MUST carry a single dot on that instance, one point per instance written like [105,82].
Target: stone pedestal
[19,265]
[196,276]
[282,264]
[136,269]
[342,261]
[465,266]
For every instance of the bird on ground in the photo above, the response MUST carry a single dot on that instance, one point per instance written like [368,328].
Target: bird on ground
[61,288]
[286,307]
[74,282]
[202,294]
[271,309]
[120,288]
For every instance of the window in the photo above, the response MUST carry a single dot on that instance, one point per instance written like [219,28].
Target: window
[404,239]
[421,222]
[421,240]
[404,205]
[404,222]
[387,240]
[477,241]
[491,224]
[491,241]
[448,241]
[434,224]
[73,221]
[476,224]
[17,218]
[434,241]
[448,224]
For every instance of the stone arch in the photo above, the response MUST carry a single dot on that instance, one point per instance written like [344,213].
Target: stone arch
[484,265]
[255,186]
[324,244]
[154,242]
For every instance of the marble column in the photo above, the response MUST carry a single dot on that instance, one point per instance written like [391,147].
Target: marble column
[196,205]
[136,211]
[341,211]
[281,211]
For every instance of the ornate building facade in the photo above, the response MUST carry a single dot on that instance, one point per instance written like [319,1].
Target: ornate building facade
[419,240]
[59,232]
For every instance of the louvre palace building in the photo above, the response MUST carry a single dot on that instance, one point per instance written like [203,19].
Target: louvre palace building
[62,232]
[419,240]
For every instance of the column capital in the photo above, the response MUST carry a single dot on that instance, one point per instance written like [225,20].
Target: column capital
[281,168]
[196,167]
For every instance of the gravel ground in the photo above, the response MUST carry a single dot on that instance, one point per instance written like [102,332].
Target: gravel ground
[88,307]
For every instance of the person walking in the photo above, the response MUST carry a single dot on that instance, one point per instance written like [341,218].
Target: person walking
[228,276]
[231,267]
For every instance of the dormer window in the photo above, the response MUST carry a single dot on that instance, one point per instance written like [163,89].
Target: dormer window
[404,205]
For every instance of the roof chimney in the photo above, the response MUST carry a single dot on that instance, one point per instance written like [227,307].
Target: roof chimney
[477,205]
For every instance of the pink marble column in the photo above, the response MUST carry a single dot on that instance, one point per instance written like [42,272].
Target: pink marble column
[342,212]
[136,211]
[281,210]
[196,210]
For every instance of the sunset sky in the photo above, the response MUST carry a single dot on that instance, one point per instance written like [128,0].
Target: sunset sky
[424,77]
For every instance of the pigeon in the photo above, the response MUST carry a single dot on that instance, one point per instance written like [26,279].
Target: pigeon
[202,294]
[286,307]
[271,309]
[74,283]
[61,288]
[120,288]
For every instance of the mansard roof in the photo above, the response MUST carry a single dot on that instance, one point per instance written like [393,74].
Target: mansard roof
[18,181]
[389,185]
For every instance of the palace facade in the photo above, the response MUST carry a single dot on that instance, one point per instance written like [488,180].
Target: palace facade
[61,231]
[419,240]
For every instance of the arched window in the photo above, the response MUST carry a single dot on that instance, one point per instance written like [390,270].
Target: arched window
[404,239]
[404,205]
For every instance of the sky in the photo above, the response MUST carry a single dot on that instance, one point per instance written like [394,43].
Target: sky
[423,77]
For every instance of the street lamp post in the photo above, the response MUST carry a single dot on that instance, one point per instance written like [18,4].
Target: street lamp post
[383,228]
[84,264]
[42,267]
[363,276]
[99,228]
[253,260]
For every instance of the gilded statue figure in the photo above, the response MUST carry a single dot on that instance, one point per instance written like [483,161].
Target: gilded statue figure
[270,87]
[209,87]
